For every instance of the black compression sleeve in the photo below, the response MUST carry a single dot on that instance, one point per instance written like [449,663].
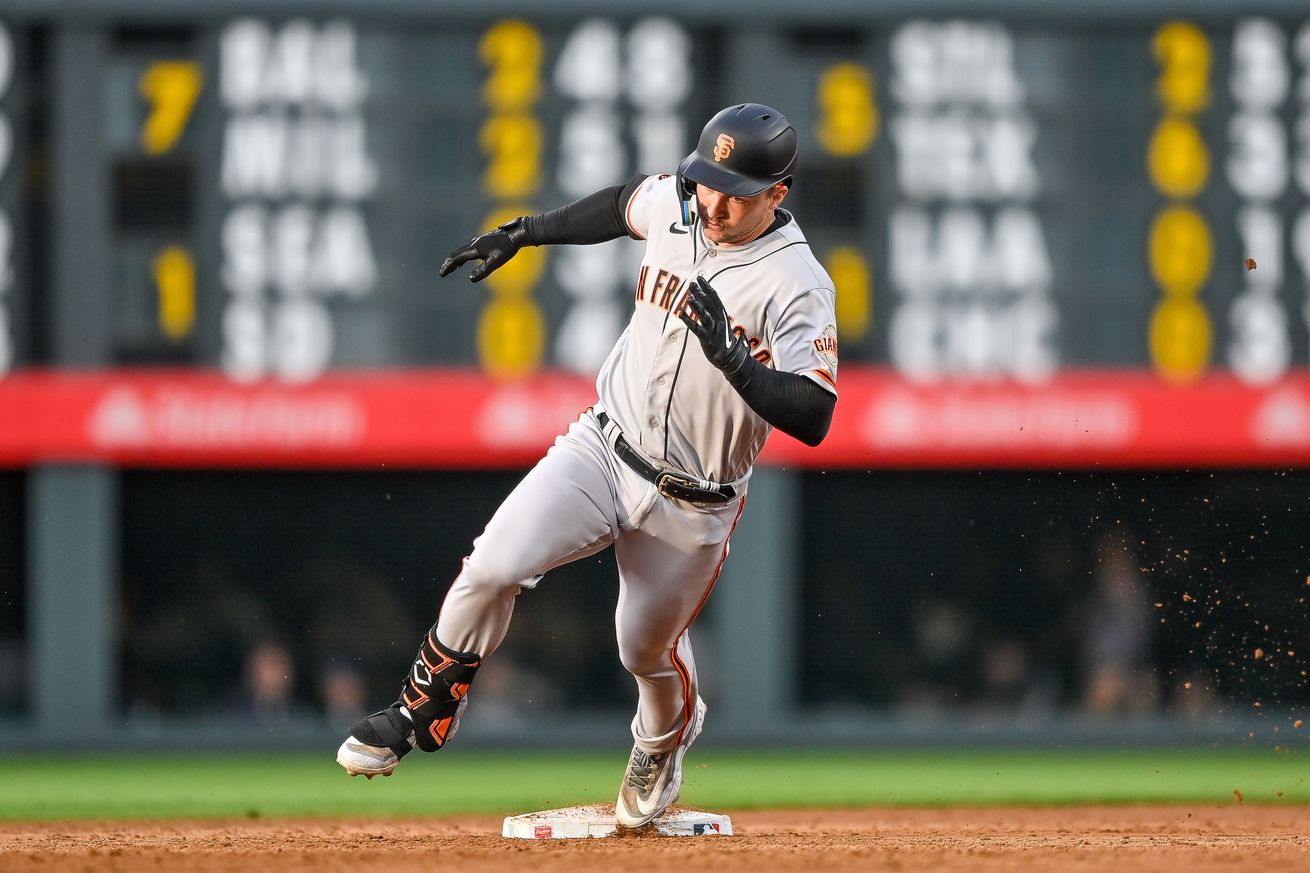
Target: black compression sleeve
[793,404]
[595,218]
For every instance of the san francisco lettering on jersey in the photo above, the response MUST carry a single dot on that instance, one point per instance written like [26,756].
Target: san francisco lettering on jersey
[665,292]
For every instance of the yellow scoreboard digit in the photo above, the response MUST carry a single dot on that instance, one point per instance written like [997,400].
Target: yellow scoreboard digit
[511,328]
[1180,247]
[171,89]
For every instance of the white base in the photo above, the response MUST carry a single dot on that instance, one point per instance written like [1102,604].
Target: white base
[577,822]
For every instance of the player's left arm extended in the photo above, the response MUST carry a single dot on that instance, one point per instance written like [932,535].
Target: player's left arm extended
[596,218]
[790,402]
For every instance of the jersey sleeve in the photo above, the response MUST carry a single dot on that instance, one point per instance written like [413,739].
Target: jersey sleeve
[640,206]
[805,338]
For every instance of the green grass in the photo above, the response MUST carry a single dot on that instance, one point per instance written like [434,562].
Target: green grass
[485,782]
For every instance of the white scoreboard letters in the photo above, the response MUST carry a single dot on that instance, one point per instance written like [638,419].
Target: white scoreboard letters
[297,173]
[967,252]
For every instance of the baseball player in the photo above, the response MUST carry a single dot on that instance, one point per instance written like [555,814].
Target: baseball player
[733,333]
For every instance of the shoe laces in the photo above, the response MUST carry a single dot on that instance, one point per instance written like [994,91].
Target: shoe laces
[642,770]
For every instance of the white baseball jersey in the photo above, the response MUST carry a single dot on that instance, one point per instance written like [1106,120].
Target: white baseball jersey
[679,410]
[657,385]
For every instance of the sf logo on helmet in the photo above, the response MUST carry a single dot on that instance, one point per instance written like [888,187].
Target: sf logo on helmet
[723,147]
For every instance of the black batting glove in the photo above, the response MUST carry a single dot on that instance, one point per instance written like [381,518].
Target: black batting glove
[493,248]
[704,315]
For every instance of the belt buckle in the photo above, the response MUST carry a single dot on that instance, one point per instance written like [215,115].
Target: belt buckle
[665,478]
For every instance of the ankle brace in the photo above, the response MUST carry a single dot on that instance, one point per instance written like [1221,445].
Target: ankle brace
[435,688]
[386,728]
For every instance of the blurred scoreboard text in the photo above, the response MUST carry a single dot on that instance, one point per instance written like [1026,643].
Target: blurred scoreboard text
[1039,231]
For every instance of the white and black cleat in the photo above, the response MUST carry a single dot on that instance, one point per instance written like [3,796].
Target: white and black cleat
[377,743]
[653,782]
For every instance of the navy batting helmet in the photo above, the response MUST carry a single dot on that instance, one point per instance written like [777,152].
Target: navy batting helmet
[742,151]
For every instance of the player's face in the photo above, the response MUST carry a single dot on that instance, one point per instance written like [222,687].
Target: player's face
[734,221]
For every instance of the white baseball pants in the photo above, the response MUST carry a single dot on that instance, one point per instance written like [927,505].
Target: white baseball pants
[579,499]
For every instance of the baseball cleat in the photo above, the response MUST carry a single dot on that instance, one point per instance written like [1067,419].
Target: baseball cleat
[377,743]
[652,782]
[361,759]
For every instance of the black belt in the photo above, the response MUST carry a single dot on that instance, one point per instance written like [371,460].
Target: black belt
[669,484]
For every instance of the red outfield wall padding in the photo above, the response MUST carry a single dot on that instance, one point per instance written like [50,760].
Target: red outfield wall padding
[460,418]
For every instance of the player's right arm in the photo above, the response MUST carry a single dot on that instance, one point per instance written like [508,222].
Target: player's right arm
[596,218]
[789,401]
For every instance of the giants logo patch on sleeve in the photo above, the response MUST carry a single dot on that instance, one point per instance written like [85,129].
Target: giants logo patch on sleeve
[825,346]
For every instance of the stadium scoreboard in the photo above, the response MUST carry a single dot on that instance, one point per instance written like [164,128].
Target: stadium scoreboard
[1000,199]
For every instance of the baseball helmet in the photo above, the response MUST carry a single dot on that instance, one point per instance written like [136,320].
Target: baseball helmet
[742,151]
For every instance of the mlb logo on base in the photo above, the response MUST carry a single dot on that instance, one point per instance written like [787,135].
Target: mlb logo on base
[598,820]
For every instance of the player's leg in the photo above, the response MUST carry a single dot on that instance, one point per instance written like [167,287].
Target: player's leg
[563,510]
[668,567]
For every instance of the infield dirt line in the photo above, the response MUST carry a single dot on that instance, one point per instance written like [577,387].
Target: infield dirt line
[1130,839]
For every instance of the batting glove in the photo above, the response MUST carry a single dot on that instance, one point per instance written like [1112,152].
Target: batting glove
[493,248]
[704,315]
